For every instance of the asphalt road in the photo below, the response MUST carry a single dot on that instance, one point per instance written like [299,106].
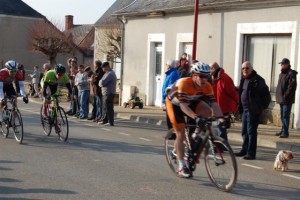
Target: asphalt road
[126,161]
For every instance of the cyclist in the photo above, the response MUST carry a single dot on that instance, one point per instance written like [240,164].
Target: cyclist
[191,97]
[51,80]
[8,75]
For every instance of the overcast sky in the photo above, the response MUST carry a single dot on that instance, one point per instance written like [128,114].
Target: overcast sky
[84,11]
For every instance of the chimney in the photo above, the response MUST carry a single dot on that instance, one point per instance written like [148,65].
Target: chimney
[68,22]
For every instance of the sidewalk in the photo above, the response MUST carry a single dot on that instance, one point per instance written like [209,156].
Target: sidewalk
[266,133]
[156,116]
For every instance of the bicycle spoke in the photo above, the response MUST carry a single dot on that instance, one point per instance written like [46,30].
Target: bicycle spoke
[17,125]
[221,165]
[62,127]
[46,122]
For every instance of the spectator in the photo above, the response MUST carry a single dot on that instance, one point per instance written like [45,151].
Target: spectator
[254,97]
[90,74]
[97,96]
[171,76]
[46,68]
[81,81]
[181,70]
[73,70]
[184,62]
[225,93]
[108,84]
[285,95]
[35,81]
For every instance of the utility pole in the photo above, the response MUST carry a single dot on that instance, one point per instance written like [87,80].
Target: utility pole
[196,8]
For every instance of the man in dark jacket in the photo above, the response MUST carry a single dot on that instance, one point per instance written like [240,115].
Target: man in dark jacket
[254,97]
[285,95]
[97,101]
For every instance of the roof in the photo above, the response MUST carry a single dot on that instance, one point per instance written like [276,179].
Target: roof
[18,8]
[79,32]
[142,7]
[107,19]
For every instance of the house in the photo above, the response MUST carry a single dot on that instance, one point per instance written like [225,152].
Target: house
[109,25]
[16,22]
[229,32]
[83,37]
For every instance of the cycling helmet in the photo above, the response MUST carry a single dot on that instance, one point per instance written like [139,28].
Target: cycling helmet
[11,65]
[200,68]
[60,69]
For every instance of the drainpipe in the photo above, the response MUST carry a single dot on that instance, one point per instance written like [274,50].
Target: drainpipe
[195,29]
[123,20]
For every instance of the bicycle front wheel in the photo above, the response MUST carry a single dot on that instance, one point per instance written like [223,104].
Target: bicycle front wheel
[46,122]
[5,123]
[17,125]
[62,126]
[221,164]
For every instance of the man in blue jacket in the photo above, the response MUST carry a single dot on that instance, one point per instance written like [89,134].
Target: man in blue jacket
[172,75]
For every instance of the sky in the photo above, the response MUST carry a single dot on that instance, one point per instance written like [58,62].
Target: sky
[84,11]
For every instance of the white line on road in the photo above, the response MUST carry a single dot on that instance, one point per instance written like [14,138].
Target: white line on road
[292,176]
[253,166]
[123,133]
[145,139]
[89,125]
[106,129]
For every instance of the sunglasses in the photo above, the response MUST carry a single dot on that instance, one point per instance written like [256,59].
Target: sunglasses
[59,74]
[203,76]
[245,68]
[12,71]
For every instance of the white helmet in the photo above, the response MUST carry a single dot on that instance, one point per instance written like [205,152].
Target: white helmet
[11,65]
[200,68]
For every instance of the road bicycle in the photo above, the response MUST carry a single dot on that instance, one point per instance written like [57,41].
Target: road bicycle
[12,118]
[219,158]
[57,118]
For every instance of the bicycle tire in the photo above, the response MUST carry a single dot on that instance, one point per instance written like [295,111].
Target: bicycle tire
[170,152]
[5,124]
[62,124]
[221,167]
[17,126]
[46,122]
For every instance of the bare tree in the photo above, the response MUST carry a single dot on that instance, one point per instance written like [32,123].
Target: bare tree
[110,43]
[48,39]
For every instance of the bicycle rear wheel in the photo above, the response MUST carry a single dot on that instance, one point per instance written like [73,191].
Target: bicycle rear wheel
[17,125]
[170,152]
[221,164]
[5,124]
[62,126]
[46,122]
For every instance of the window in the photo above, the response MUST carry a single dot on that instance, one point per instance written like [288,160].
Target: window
[264,52]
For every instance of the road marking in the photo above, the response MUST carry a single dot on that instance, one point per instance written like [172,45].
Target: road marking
[148,140]
[89,124]
[106,129]
[253,166]
[288,175]
[123,133]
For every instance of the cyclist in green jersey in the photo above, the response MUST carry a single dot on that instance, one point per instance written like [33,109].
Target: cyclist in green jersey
[51,80]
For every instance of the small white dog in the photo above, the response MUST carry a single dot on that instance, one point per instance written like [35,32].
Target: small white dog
[282,158]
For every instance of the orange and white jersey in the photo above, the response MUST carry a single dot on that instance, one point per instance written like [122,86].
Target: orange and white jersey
[185,91]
